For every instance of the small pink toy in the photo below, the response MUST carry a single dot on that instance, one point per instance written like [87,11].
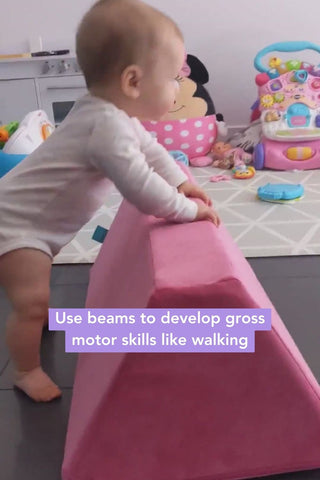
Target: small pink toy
[219,178]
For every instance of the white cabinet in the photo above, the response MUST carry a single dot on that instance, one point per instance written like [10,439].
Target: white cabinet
[58,94]
[51,84]
[17,98]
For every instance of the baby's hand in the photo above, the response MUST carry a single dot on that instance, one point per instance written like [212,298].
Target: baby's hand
[191,190]
[207,213]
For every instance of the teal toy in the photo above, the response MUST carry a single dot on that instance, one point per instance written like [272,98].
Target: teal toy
[99,234]
[280,192]
[180,156]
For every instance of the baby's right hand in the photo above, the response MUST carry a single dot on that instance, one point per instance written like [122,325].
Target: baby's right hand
[207,213]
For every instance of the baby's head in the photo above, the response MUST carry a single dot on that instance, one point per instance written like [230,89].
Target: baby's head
[131,54]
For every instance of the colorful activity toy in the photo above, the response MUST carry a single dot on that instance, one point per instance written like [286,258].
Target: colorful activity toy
[289,103]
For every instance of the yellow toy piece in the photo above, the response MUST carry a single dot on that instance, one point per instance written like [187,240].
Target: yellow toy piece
[274,62]
[300,153]
[266,101]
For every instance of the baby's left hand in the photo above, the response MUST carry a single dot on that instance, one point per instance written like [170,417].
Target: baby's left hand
[191,190]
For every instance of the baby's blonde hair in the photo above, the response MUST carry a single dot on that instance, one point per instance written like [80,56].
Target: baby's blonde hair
[117,33]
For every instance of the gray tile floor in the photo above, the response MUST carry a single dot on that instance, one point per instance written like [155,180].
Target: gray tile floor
[32,436]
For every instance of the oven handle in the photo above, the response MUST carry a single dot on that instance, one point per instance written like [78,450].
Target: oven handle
[64,88]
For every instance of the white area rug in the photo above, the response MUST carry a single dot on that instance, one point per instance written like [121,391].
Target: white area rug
[259,228]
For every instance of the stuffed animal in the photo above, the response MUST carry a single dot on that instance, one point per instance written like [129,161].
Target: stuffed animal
[192,125]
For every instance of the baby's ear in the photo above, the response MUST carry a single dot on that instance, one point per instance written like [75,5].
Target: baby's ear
[199,73]
[131,81]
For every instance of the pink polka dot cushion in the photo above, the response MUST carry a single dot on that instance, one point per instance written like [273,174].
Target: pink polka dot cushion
[193,136]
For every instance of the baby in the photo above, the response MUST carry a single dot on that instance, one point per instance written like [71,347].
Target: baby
[131,56]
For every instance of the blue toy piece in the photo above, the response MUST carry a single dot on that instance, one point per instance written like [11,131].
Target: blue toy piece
[280,192]
[8,161]
[179,156]
[99,234]
[300,76]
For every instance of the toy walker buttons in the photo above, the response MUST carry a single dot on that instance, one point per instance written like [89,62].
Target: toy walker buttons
[276,85]
[266,101]
[306,66]
[315,71]
[316,84]
[282,68]
[293,65]
[300,76]
[273,73]
[278,67]
[274,62]
[278,97]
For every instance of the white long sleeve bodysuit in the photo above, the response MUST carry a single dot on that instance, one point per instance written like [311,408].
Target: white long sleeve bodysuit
[52,193]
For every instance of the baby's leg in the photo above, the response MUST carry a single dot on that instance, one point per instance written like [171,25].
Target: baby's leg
[25,276]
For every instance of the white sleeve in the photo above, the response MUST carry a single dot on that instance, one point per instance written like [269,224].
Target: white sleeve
[158,157]
[114,149]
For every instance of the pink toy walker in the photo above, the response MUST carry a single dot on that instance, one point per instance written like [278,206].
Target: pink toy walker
[289,102]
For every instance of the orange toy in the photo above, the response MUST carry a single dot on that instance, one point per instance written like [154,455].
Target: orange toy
[243,172]
[4,135]
[6,131]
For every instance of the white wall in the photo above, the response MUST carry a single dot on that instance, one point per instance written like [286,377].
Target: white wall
[224,34]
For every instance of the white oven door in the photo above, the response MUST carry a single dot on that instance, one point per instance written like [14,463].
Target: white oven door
[58,94]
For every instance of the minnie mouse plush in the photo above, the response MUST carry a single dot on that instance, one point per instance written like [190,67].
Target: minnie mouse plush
[192,125]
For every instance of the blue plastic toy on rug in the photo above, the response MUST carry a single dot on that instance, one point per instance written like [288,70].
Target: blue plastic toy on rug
[280,192]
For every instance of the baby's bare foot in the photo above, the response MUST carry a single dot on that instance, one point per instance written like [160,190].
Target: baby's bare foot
[37,385]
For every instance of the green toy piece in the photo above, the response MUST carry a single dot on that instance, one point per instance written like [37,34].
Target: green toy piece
[6,131]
